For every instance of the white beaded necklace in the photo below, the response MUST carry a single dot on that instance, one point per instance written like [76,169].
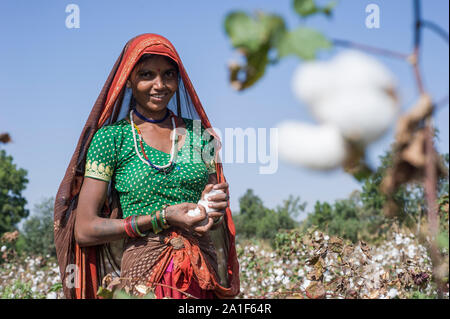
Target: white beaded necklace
[172,151]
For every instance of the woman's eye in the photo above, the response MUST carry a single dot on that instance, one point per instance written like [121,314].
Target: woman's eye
[146,74]
[171,74]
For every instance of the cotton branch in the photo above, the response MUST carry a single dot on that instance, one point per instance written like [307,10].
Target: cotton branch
[430,183]
[436,29]
[370,49]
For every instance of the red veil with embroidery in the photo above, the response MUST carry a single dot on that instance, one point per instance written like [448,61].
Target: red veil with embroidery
[82,268]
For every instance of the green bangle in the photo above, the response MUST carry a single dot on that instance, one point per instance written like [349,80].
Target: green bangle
[156,228]
[137,229]
[215,222]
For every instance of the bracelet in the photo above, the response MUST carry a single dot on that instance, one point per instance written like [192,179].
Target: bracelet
[217,221]
[155,226]
[164,223]
[129,227]
[136,228]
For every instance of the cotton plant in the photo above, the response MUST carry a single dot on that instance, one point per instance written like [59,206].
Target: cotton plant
[317,265]
[353,99]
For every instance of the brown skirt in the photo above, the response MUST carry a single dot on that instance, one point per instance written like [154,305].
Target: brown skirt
[145,260]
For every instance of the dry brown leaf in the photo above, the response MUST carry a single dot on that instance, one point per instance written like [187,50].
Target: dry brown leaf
[10,236]
[414,153]
[5,138]
[315,290]
[374,294]
[407,123]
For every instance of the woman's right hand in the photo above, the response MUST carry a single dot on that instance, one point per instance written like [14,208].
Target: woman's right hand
[177,215]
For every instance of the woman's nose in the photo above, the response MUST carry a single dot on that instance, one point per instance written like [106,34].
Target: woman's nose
[159,83]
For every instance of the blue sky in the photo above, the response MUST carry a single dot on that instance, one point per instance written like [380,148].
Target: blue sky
[51,76]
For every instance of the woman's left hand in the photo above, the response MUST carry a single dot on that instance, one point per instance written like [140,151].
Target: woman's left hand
[219,202]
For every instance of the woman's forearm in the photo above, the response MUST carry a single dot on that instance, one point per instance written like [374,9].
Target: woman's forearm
[103,230]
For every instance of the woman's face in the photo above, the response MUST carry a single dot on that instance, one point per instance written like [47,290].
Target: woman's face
[153,81]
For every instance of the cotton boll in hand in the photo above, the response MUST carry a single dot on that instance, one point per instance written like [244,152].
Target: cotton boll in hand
[319,147]
[204,202]
[196,212]
[362,116]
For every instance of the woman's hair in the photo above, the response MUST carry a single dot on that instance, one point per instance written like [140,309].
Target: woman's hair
[149,56]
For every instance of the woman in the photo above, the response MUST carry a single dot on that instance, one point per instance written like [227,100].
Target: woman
[135,177]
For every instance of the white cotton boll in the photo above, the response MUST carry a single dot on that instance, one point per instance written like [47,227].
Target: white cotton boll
[362,116]
[312,80]
[212,193]
[392,293]
[305,284]
[313,146]
[354,69]
[349,70]
[196,212]
[193,212]
[278,271]
[352,91]
[204,202]
[52,295]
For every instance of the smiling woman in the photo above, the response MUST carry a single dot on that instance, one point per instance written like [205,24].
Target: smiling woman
[134,178]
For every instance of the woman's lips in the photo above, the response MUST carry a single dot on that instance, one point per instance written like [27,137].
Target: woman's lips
[158,97]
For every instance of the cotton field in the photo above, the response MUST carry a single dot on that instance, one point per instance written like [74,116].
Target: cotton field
[317,266]
[36,278]
[309,265]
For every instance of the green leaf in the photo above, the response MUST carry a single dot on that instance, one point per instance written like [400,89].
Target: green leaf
[150,295]
[121,294]
[442,240]
[328,9]
[242,77]
[244,31]
[305,7]
[303,42]
[274,27]
[56,287]
[251,34]
[104,293]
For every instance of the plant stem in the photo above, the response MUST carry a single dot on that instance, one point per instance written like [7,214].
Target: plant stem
[430,182]
[433,217]
[436,28]
[370,49]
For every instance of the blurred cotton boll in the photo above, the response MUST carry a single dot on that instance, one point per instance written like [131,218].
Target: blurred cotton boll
[362,116]
[352,91]
[354,69]
[319,147]
[312,81]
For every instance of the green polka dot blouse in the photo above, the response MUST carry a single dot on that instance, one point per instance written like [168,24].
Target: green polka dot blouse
[142,189]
